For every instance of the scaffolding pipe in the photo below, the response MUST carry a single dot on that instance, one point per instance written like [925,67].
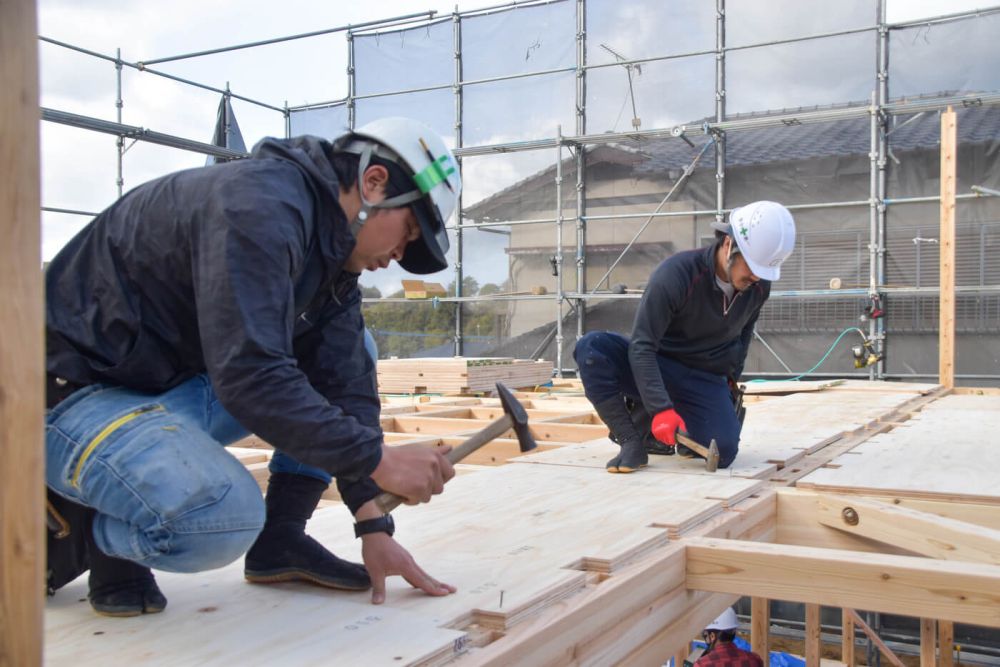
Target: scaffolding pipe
[673,214]
[142,68]
[844,293]
[419,16]
[71,211]
[783,119]
[581,165]
[120,141]
[873,214]
[138,133]
[351,83]
[459,238]
[881,333]
[559,257]
[720,111]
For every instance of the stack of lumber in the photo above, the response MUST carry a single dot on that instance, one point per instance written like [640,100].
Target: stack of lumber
[459,374]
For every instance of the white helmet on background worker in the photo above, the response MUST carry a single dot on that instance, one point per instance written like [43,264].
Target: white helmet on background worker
[725,621]
[765,236]
[436,180]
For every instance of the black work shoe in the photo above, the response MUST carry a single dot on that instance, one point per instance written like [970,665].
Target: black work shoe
[66,555]
[654,446]
[289,555]
[632,457]
[132,592]
[120,587]
[685,452]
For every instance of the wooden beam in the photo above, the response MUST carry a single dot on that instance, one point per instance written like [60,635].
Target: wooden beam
[22,402]
[946,330]
[760,625]
[812,636]
[873,636]
[905,528]
[928,642]
[846,638]
[797,509]
[662,576]
[682,654]
[962,592]
[946,643]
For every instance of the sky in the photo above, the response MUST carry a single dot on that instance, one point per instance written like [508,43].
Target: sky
[79,167]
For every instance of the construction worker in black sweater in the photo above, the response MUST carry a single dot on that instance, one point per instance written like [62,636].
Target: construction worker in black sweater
[689,342]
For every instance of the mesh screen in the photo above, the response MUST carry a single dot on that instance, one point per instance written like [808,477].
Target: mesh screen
[401,60]
[327,122]
[648,29]
[819,72]
[924,59]
[519,41]
[758,21]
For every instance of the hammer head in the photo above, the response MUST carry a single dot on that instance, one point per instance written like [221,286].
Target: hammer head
[712,461]
[518,418]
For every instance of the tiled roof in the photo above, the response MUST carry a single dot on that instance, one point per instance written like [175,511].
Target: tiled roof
[846,137]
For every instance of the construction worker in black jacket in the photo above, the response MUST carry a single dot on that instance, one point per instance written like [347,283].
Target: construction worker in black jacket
[220,301]
[689,342]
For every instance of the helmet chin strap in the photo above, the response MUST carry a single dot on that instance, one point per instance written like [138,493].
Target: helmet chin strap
[364,160]
[730,257]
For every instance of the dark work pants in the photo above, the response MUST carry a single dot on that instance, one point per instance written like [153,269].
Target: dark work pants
[702,399]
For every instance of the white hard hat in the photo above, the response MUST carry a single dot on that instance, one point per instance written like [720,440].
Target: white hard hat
[436,179]
[725,621]
[765,234]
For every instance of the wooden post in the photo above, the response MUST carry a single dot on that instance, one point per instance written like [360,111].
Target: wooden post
[22,551]
[928,642]
[813,642]
[846,639]
[946,329]
[682,655]
[946,643]
[760,625]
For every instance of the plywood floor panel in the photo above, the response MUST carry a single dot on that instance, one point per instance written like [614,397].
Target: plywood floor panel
[947,449]
[510,538]
[595,454]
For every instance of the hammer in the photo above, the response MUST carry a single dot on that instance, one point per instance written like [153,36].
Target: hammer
[711,453]
[514,417]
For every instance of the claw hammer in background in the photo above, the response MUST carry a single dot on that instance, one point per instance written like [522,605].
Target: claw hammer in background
[514,417]
[711,453]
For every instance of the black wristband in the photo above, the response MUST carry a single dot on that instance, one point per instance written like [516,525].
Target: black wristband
[382,524]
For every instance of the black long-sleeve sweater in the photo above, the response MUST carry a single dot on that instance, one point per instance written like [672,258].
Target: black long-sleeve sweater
[685,315]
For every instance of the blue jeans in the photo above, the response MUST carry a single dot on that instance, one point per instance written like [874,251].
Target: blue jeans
[702,399]
[167,494]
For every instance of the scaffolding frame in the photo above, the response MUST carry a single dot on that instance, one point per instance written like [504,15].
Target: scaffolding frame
[879,110]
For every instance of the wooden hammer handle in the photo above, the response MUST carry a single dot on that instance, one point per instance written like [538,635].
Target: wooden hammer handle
[389,501]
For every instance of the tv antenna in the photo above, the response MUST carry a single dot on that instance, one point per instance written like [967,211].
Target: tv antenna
[629,66]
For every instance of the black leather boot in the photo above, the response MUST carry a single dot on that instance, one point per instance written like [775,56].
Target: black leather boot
[120,587]
[633,454]
[283,551]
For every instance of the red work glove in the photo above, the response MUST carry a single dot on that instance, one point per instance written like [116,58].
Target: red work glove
[665,425]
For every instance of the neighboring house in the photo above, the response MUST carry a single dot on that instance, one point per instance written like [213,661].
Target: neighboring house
[813,163]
